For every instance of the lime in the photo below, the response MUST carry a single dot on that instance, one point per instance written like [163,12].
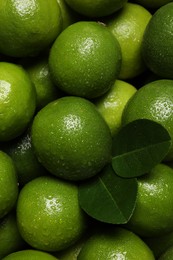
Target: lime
[128,28]
[154,4]
[115,243]
[98,8]
[17,100]
[27,27]
[154,207]
[8,184]
[10,237]
[69,16]
[112,103]
[21,151]
[29,254]
[71,139]
[72,252]
[157,42]
[85,59]
[46,91]
[48,214]
[153,101]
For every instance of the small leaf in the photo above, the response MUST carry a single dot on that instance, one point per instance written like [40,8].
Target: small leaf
[108,197]
[138,147]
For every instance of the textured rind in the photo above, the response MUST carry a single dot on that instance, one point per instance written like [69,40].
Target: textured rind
[28,28]
[98,8]
[71,139]
[56,220]
[157,42]
[85,60]
[153,101]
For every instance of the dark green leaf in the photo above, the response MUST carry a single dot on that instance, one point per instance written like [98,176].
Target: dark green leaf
[108,197]
[138,147]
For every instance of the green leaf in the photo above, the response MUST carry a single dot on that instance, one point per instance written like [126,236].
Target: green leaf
[108,197]
[138,147]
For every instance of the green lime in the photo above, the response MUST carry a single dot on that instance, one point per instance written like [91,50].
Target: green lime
[154,206]
[97,8]
[17,100]
[157,42]
[48,214]
[112,103]
[128,28]
[10,237]
[153,101]
[115,243]
[85,59]
[46,91]
[154,4]
[30,254]
[72,252]
[69,16]
[71,139]
[8,184]
[28,27]
[21,151]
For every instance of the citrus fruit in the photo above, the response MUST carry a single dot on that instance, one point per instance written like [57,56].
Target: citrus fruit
[128,28]
[115,243]
[17,100]
[46,91]
[27,27]
[112,103]
[154,4]
[10,237]
[48,214]
[157,42]
[85,59]
[72,252]
[153,101]
[69,16]
[21,151]
[168,255]
[98,8]
[29,254]
[71,139]
[154,207]
[8,184]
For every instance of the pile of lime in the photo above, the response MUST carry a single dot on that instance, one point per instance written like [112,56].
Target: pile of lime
[86,129]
